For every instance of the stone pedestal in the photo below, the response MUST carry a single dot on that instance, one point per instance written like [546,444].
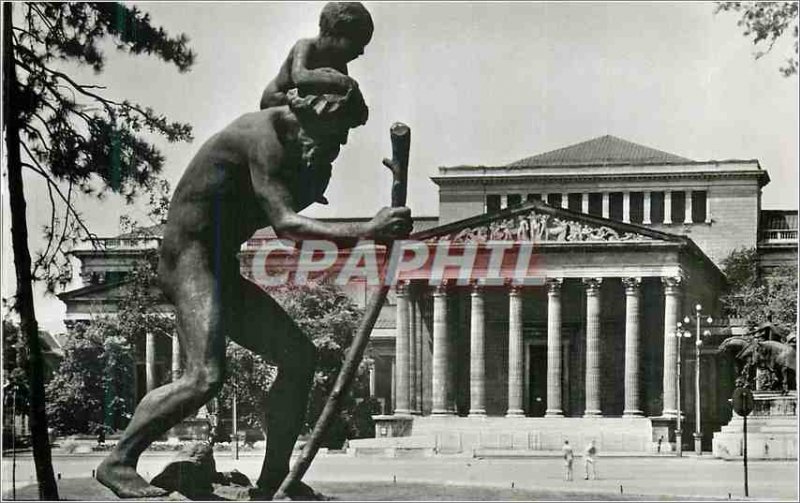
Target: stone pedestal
[387,426]
[771,429]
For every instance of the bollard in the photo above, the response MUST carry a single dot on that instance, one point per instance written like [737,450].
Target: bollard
[59,475]
[512,484]
[620,488]
[729,495]
[394,479]
[92,473]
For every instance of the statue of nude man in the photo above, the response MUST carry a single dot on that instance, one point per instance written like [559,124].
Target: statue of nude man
[260,170]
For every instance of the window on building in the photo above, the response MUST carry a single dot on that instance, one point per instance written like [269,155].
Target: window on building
[514,200]
[492,203]
[678,206]
[657,207]
[637,207]
[554,199]
[575,201]
[699,206]
[615,200]
[534,197]
[596,204]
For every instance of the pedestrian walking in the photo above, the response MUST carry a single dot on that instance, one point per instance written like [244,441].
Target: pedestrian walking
[589,460]
[568,458]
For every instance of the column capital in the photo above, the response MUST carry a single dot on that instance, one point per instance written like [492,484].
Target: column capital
[632,285]
[592,285]
[476,287]
[441,289]
[672,284]
[401,288]
[554,285]
[514,289]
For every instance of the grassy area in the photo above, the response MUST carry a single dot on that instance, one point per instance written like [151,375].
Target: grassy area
[90,490]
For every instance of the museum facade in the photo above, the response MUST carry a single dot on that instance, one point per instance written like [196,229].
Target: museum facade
[625,242]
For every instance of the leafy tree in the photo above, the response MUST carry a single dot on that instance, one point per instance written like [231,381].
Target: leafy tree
[77,140]
[755,298]
[766,22]
[94,386]
[329,318]
[14,370]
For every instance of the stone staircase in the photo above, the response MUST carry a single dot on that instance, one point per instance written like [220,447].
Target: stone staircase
[500,436]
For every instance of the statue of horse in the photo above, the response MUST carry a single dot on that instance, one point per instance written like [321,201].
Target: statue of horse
[740,349]
[780,358]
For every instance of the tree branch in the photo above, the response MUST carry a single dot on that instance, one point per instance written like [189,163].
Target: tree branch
[38,169]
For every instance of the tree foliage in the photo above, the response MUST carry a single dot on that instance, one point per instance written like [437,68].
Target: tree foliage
[93,386]
[73,135]
[329,318]
[755,298]
[766,23]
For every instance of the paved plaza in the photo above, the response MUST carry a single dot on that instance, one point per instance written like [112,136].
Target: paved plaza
[659,477]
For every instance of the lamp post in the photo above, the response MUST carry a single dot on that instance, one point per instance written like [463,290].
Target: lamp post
[679,333]
[698,436]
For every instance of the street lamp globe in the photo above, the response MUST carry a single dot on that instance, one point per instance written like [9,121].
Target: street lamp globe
[686,319]
[698,308]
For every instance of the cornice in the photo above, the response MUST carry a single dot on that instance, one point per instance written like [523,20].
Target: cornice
[499,179]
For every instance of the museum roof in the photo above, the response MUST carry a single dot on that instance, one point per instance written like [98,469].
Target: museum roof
[604,149]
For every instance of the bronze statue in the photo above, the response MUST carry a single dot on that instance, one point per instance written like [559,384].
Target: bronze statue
[767,347]
[779,358]
[319,64]
[260,170]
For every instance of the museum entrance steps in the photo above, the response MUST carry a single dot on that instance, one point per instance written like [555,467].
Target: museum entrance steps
[502,436]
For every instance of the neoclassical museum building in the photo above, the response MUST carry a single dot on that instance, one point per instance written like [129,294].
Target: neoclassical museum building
[626,242]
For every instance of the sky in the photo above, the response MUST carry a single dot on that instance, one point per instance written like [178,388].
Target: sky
[478,83]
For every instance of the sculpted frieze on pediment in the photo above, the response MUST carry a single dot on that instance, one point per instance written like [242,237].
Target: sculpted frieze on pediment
[538,227]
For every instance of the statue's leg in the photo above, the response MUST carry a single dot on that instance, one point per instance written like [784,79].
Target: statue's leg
[267,330]
[202,338]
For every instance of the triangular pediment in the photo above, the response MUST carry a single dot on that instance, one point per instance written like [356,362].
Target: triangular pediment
[541,223]
[606,149]
[102,292]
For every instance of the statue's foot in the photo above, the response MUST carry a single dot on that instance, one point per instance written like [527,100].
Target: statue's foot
[123,480]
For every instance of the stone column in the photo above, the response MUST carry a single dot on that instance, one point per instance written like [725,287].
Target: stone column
[402,349]
[585,202]
[667,207]
[672,293]
[605,205]
[150,361]
[626,206]
[477,355]
[372,380]
[516,360]
[565,200]
[688,198]
[554,372]
[632,343]
[412,351]
[441,352]
[176,357]
[503,201]
[592,347]
[646,216]
[708,205]
[418,374]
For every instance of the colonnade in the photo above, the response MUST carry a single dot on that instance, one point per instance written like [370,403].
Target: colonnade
[151,382]
[443,354]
